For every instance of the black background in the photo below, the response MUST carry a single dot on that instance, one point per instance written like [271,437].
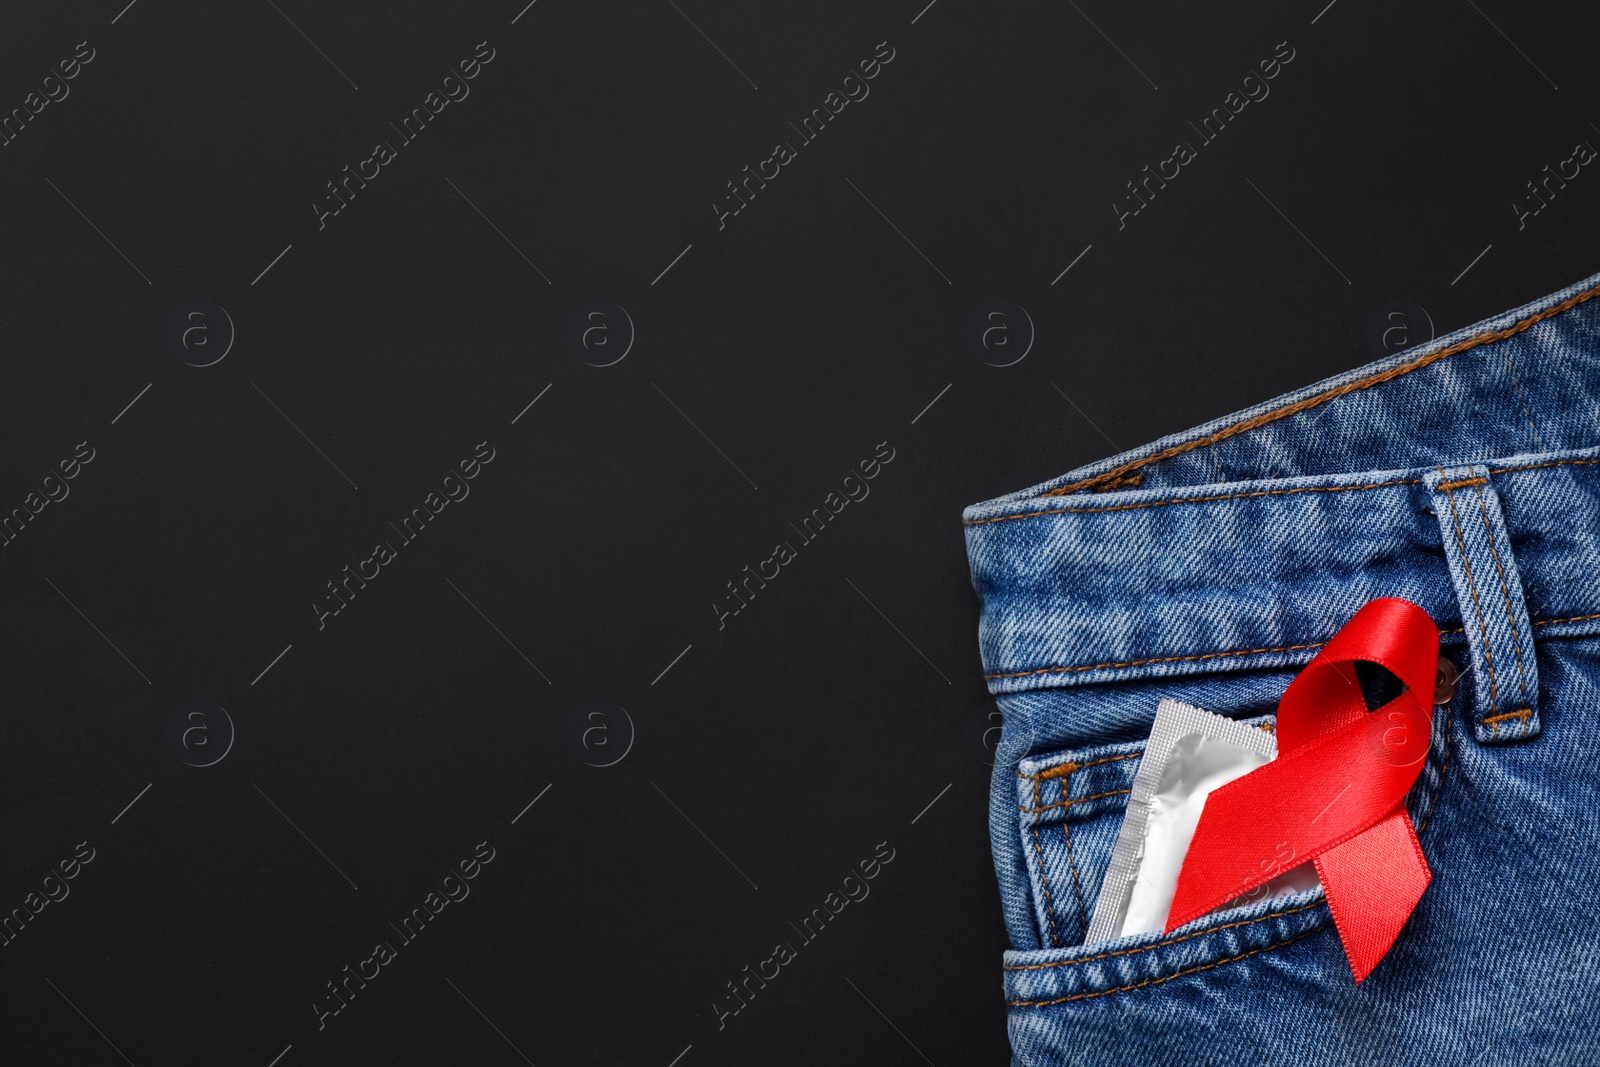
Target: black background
[776,752]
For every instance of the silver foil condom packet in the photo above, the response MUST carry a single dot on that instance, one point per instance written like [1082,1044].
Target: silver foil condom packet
[1190,753]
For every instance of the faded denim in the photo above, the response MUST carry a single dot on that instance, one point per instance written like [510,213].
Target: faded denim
[1209,567]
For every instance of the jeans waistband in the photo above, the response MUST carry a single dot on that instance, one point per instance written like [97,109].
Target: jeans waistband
[1247,542]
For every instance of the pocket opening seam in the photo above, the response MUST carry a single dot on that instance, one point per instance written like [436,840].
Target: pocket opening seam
[1164,944]
[1167,978]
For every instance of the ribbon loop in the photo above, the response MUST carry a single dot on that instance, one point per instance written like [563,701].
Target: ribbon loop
[1336,792]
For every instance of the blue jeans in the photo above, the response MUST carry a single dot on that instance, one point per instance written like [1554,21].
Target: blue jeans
[1209,567]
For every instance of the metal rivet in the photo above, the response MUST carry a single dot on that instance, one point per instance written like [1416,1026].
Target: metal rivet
[1444,685]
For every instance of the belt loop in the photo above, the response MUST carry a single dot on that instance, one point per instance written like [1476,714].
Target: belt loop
[1489,589]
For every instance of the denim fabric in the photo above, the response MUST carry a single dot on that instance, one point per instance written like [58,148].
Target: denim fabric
[1210,567]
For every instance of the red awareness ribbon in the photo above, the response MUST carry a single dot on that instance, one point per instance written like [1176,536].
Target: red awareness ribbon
[1336,792]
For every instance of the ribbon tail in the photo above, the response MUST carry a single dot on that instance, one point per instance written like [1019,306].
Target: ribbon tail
[1373,882]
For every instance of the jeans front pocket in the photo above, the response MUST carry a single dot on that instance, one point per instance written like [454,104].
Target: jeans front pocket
[1071,805]
[1070,809]
[1045,978]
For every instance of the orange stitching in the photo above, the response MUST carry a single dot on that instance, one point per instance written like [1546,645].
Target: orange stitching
[1168,978]
[1520,713]
[1066,833]
[1505,591]
[1551,463]
[1271,492]
[1162,944]
[1195,500]
[1068,768]
[1472,586]
[1063,770]
[1158,659]
[1121,483]
[1570,618]
[1075,800]
[1332,394]
[1044,875]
